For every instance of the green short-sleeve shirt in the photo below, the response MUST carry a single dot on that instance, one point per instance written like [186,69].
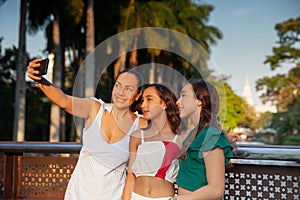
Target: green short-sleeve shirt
[192,173]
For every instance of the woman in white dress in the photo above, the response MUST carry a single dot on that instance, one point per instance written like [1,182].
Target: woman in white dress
[100,170]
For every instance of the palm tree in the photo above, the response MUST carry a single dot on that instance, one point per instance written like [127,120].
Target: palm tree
[184,16]
[20,90]
[40,15]
[55,126]
[64,33]
[90,45]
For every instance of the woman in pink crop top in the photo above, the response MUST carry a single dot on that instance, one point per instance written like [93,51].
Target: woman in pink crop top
[154,150]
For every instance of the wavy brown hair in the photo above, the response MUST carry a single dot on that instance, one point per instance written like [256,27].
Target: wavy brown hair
[167,96]
[208,95]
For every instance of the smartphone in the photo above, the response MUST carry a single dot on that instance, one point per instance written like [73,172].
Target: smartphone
[44,66]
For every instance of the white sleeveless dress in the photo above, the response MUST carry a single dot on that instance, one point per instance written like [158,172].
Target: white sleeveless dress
[100,170]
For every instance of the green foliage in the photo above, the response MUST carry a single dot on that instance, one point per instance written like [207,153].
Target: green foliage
[184,16]
[37,115]
[264,119]
[283,89]
[287,123]
[291,140]
[231,113]
[7,85]
[38,15]
[107,18]
[7,110]
[234,111]
[37,106]
[111,17]
[249,116]
[289,38]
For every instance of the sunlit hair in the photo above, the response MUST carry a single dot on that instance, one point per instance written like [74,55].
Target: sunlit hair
[135,105]
[208,95]
[169,98]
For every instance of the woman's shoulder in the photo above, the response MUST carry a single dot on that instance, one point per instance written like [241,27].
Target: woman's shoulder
[182,135]
[135,138]
[143,123]
[212,130]
[93,110]
[96,104]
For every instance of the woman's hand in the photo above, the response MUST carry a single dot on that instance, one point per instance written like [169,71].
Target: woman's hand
[232,138]
[33,70]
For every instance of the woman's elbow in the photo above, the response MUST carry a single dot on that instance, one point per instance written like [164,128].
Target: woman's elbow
[219,193]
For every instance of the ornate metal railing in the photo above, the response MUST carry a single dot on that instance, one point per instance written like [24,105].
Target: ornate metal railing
[41,170]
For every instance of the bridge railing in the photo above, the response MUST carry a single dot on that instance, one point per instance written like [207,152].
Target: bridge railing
[41,170]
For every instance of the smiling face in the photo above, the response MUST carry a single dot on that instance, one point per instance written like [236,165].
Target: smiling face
[124,87]
[188,104]
[152,105]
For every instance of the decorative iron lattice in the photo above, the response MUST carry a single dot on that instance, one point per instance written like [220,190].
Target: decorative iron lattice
[44,177]
[1,175]
[261,182]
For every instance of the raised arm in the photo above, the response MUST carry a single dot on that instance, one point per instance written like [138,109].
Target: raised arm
[80,107]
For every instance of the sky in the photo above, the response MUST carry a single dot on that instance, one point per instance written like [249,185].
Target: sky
[248,28]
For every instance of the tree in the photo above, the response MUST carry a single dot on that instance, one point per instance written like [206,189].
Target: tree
[20,90]
[49,14]
[133,14]
[264,120]
[231,110]
[283,89]
[90,45]
[184,16]
[249,116]
[7,86]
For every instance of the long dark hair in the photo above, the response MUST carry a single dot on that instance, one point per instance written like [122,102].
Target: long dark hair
[170,99]
[208,95]
[167,96]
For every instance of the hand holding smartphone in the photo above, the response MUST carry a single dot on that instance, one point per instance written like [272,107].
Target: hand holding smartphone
[44,66]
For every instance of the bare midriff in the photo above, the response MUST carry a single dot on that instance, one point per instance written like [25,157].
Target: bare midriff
[153,187]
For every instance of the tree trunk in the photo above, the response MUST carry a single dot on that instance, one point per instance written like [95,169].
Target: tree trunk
[20,90]
[133,59]
[121,62]
[57,80]
[90,45]
[152,70]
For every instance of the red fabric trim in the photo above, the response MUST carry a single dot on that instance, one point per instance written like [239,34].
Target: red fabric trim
[171,153]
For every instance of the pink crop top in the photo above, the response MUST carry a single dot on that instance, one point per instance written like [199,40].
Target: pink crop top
[157,159]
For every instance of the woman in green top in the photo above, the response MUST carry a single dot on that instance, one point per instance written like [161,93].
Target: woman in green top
[206,151]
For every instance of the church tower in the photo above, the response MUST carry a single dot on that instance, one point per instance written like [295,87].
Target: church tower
[247,95]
